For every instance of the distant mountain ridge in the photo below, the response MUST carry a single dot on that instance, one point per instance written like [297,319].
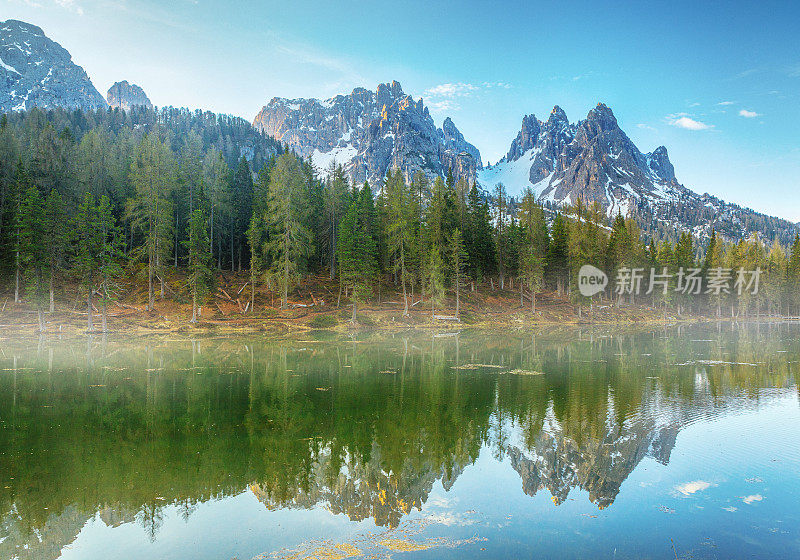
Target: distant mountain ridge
[38,72]
[369,133]
[594,160]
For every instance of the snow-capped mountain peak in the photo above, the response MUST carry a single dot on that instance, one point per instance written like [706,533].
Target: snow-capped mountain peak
[593,159]
[369,133]
[37,72]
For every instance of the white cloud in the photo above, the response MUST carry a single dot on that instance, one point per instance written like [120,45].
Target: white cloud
[502,85]
[752,498]
[459,89]
[462,89]
[682,120]
[644,126]
[748,114]
[443,106]
[690,488]
[70,5]
[725,103]
[449,519]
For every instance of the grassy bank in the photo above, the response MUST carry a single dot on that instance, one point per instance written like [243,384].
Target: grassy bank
[314,304]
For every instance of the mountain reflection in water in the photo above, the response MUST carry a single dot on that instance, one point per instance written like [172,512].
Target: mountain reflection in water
[364,427]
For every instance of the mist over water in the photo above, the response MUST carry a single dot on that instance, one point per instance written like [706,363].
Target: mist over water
[560,444]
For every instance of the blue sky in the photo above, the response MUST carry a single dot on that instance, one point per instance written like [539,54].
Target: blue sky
[718,85]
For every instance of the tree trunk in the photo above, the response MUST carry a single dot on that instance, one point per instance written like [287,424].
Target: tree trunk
[176,236]
[233,260]
[194,304]
[354,311]
[285,302]
[52,295]
[16,277]
[105,311]
[458,297]
[90,318]
[533,302]
[150,298]
[405,296]
[252,290]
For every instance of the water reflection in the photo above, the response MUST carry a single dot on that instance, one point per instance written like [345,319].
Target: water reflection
[365,426]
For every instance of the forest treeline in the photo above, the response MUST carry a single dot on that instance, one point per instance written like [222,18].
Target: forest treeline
[88,197]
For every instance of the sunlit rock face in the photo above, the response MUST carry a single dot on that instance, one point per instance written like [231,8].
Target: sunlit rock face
[370,133]
[35,71]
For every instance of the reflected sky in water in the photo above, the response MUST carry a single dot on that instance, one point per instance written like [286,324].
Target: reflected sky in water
[559,444]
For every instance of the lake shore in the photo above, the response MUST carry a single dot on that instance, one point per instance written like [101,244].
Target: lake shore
[315,304]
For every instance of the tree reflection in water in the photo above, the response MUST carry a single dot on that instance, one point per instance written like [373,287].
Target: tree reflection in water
[366,426]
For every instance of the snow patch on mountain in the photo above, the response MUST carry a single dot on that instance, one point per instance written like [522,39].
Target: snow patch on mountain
[514,175]
[341,155]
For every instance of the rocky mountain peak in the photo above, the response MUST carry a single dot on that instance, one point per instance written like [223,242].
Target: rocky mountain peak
[592,159]
[369,133]
[125,95]
[38,72]
[526,138]
[658,162]
[602,117]
[557,115]
[454,141]
[389,93]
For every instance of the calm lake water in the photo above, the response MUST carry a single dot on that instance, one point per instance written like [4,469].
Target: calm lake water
[564,444]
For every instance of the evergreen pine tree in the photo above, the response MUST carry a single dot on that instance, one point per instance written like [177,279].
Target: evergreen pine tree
[400,228]
[290,239]
[434,277]
[458,258]
[153,177]
[200,276]
[56,237]
[88,241]
[478,236]
[33,250]
[557,263]
[357,253]
[500,204]
[243,208]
